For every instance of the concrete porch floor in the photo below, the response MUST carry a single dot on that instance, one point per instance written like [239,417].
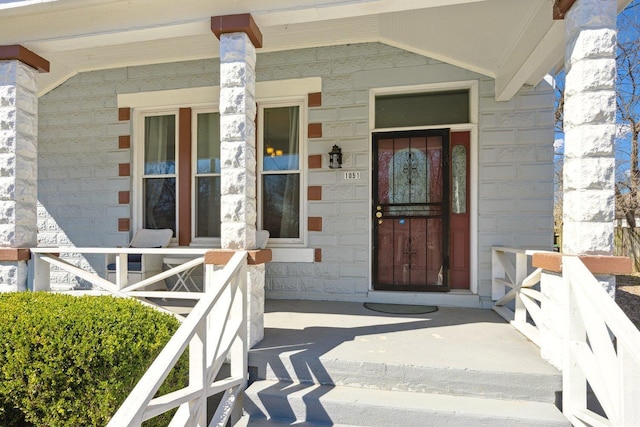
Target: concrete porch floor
[474,339]
[338,363]
[453,350]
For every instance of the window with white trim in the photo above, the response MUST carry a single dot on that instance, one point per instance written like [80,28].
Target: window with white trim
[281,199]
[280,175]
[159,171]
[206,180]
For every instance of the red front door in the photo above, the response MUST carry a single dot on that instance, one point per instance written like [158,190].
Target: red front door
[421,217]
[411,210]
[459,222]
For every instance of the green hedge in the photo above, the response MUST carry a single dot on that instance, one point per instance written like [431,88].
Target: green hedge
[71,361]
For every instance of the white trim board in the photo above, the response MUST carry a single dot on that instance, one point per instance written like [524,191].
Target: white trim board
[211,94]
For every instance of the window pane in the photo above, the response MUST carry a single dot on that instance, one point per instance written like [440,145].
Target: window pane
[459,184]
[208,143]
[160,145]
[160,203]
[281,139]
[208,207]
[422,109]
[281,205]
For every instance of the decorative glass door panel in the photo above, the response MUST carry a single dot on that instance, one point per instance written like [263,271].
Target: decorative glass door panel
[411,210]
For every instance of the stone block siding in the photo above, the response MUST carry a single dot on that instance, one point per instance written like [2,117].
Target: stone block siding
[79,157]
[515,173]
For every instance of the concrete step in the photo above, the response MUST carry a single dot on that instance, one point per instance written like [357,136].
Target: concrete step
[273,422]
[533,386]
[273,401]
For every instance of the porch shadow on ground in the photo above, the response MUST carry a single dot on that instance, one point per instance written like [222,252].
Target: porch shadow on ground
[313,343]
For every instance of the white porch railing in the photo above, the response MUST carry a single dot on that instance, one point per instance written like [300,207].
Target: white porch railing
[513,288]
[215,331]
[44,258]
[600,346]
[602,350]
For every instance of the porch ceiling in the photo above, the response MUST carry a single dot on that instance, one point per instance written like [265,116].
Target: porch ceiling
[515,41]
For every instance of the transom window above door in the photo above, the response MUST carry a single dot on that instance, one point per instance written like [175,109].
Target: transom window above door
[422,109]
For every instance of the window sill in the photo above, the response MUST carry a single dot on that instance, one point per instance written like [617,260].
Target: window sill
[279,254]
[292,254]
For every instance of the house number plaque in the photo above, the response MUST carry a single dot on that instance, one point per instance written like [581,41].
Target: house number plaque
[352,175]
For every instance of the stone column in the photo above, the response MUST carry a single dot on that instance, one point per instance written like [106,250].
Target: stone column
[237,132]
[19,69]
[589,124]
[239,37]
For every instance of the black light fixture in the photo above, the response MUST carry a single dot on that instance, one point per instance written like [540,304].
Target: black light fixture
[335,158]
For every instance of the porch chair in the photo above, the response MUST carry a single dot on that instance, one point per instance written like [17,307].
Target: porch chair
[142,266]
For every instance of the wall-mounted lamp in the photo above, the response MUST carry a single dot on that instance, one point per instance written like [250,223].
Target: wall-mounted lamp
[335,158]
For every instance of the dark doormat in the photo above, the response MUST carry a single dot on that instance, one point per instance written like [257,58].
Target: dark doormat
[400,308]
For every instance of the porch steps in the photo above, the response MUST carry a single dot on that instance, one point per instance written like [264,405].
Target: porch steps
[539,387]
[324,363]
[282,403]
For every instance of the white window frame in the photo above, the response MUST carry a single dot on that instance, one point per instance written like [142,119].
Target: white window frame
[302,170]
[205,97]
[138,175]
[199,241]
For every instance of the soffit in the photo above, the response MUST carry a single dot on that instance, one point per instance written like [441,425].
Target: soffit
[514,41]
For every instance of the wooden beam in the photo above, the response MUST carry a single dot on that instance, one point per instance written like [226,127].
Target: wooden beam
[25,56]
[15,254]
[597,264]
[241,23]
[222,256]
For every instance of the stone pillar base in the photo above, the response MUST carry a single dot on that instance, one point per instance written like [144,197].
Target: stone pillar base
[256,260]
[255,303]
[13,276]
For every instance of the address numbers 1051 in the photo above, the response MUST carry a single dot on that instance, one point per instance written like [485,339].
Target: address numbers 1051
[352,175]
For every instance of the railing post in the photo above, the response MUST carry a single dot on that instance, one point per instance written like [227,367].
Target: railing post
[122,270]
[574,382]
[520,311]
[497,271]
[629,375]
[240,348]
[198,373]
[40,274]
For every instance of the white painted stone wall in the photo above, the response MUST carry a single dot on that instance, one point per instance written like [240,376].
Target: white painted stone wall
[515,173]
[78,156]
[18,174]
[78,193]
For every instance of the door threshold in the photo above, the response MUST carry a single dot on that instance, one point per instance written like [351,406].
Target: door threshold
[455,298]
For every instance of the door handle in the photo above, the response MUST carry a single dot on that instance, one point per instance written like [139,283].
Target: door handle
[378,214]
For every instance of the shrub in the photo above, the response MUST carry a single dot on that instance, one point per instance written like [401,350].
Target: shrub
[71,361]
